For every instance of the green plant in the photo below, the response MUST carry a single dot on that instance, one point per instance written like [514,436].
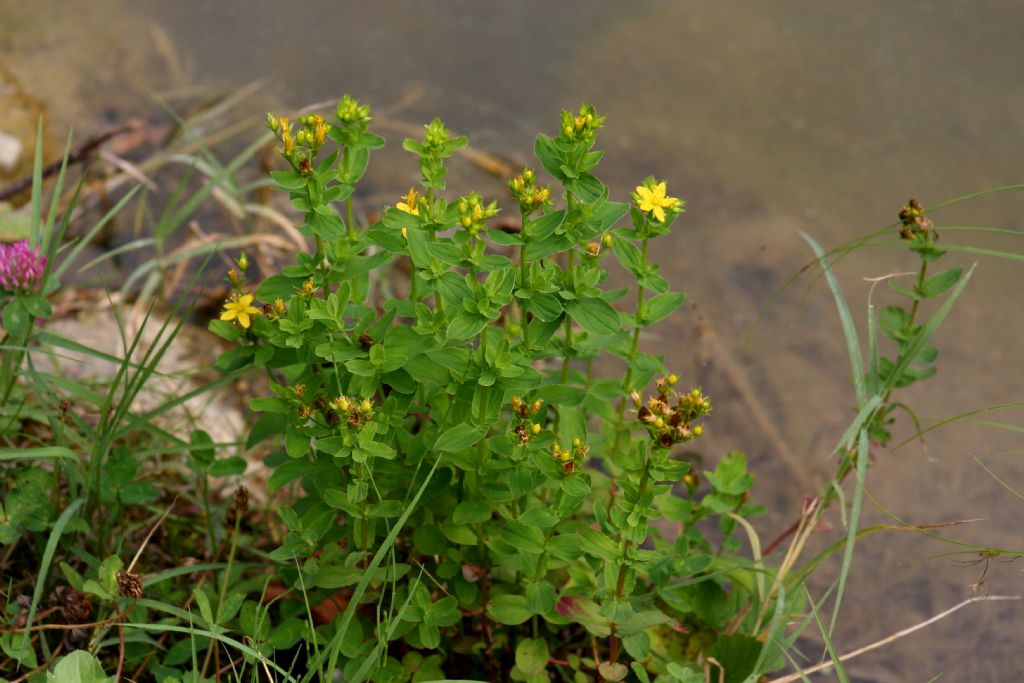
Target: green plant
[477,393]
[462,484]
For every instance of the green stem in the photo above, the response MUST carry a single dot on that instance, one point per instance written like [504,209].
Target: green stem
[482,416]
[570,267]
[634,349]
[350,220]
[523,284]
[620,583]
[324,268]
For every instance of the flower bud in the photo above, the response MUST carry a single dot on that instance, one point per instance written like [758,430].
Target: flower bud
[698,430]
[243,262]
[535,428]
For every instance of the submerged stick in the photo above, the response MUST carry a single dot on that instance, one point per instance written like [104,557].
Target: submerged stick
[78,154]
[712,348]
[889,639]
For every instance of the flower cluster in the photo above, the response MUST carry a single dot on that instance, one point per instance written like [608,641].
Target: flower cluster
[529,197]
[353,114]
[473,213]
[570,458]
[21,267]
[580,127]
[436,137]
[668,423]
[353,412]
[650,198]
[522,412]
[914,225]
[300,148]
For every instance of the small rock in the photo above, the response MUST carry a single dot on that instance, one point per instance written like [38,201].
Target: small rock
[10,152]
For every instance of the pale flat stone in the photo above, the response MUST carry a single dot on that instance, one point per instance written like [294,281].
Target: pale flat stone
[11,150]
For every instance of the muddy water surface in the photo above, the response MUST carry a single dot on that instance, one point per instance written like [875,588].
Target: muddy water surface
[769,118]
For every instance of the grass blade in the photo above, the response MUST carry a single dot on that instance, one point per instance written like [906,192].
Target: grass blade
[849,329]
[851,531]
[44,568]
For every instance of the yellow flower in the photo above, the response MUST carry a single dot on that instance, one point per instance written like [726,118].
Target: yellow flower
[409,205]
[655,200]
[240,310]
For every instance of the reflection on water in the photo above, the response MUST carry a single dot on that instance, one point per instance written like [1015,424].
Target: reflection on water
[768,118]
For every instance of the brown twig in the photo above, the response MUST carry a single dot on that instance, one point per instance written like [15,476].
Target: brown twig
[889,639]
[77,154]
[120,653]
[71,627]
[44,667]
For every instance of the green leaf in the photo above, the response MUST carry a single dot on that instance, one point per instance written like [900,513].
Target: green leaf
[289,471]
[228,467]
[459,437]
[628,255]
[472,512]
[585,612]
[545,307]
[532,655]
[587,187]
[540,597]
[539,517]
[661,306]
[466,325]
[565,547]
[612,672]
[205,608]
[894,322]
[510,610]
[287,633]
[737,654]
[523,538]
[641,621]
[78,667]
[296,442]
[937,285]
[17,320]
[594,315]
[597,544]
[731,475]
[560,394]
[577,485]
[543,226]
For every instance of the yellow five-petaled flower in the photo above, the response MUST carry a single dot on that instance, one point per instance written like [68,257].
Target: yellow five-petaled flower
[240,309]
[655,201]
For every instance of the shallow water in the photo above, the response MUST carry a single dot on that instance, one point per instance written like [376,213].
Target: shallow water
[768,118]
